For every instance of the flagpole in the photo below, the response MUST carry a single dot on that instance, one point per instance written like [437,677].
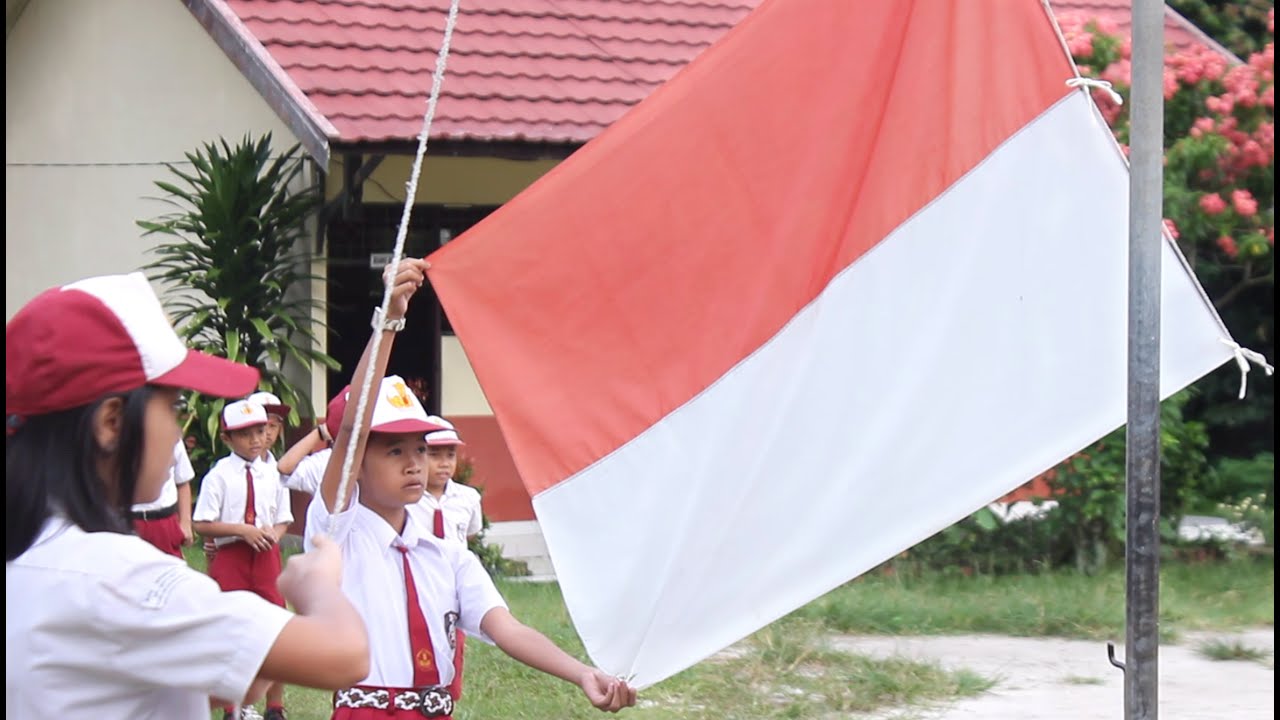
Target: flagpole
[1142,459]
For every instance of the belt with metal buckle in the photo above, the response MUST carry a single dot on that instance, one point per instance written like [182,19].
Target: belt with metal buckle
[159,514]
[434,701]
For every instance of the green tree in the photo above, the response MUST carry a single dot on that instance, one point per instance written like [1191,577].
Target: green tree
[230,250]
[1240,25]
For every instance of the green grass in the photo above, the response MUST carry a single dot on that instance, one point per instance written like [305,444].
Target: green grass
[787,671]
[1230,650]
[1203,596]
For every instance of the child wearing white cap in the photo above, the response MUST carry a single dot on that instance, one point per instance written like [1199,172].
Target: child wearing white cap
[413,589]
[277,415]
[246,511]
[99,623]
[454,509]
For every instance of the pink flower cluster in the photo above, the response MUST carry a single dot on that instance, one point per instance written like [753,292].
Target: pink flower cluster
[1238,107]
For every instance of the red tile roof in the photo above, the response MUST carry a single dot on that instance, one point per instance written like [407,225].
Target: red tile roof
[540,71]
[523,70]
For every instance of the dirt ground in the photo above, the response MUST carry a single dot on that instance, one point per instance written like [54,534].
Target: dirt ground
[1051,679]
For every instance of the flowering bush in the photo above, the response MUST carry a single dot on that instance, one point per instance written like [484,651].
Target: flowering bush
[1219,184]
[1220,151]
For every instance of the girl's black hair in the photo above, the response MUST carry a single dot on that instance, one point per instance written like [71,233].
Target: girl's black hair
[51,467]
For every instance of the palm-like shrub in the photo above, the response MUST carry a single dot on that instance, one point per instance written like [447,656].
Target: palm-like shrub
[231,252]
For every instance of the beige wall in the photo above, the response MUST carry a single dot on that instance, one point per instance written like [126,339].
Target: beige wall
[98,95]
[460,394]
[446,180]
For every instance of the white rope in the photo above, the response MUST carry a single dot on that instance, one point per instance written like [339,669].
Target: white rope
[362,399]
[1095,83]
[1243,357]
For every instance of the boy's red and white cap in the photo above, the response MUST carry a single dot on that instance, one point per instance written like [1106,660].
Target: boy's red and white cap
[243,414]
[270,403]
[397,410]
[75,344]
[447,435]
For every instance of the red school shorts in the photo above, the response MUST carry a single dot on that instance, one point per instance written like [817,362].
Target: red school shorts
[236,566]
[165,533]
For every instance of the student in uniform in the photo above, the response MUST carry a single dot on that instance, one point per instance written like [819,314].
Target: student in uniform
[166,521]
[277,416]
[302,465]
[412,588]
[454,508]
[99,623]
[245,509]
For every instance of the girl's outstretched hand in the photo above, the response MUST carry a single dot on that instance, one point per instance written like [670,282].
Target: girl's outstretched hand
[606,692]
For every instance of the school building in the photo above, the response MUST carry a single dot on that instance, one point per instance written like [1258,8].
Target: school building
[102,94]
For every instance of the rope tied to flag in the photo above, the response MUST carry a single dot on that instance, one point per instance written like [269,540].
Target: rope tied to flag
[1244,356]
[1104,85]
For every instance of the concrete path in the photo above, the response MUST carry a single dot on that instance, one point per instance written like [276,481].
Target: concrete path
[1051,679]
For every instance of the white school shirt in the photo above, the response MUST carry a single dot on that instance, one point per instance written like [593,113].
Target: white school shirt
[180,473]
[453,588]
[223,493]
[461,507]
[308,473]
[103,625]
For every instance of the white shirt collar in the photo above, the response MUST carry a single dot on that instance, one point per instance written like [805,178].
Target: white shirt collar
[385,534]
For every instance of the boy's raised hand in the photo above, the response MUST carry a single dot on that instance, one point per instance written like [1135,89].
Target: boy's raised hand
[406,279]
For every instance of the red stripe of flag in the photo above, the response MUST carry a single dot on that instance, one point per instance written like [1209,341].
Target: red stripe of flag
[638,271]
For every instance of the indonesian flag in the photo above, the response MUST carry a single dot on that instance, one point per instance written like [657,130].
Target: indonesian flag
[852,274]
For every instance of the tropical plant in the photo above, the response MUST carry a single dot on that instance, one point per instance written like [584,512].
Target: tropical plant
[230,253]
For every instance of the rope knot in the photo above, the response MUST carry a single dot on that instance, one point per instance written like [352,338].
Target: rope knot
[1099,84]
[1243,357]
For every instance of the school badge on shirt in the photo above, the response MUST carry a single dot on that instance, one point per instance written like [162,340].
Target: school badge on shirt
[451,628]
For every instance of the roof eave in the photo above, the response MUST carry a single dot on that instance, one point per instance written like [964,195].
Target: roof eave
[1201,35]
[510,149]
[271,81]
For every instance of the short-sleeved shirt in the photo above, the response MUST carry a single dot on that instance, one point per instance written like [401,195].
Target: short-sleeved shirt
[308,473]
[453,588]
[225,489]
[103,625]
[180,473]
[461,507]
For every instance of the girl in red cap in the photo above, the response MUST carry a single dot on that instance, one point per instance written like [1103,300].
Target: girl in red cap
[99,623]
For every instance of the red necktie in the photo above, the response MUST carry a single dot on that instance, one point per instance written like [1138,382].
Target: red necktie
[437,523]
[425,672]
[250,512]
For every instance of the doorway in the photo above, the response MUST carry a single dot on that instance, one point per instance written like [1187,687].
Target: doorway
[359,248]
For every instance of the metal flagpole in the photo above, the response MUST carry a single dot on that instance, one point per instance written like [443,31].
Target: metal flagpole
[1142,460]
